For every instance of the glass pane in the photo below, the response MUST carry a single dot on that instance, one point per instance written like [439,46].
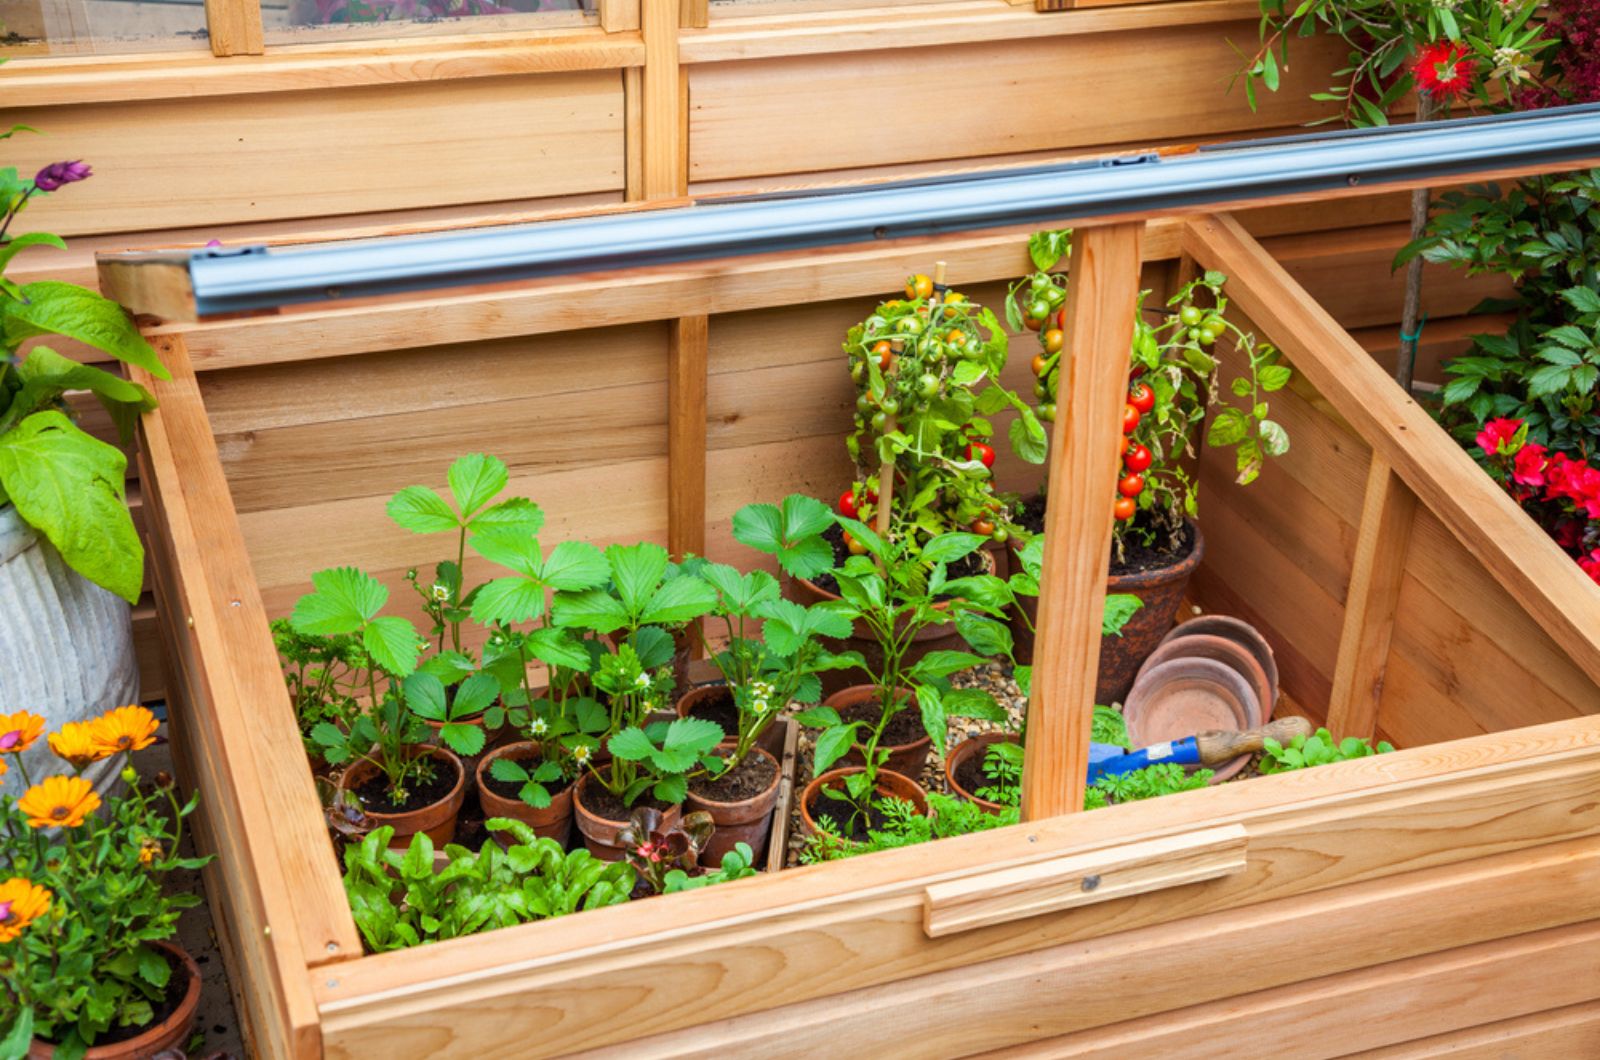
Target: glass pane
[80,27]
[294,21]
[734,8]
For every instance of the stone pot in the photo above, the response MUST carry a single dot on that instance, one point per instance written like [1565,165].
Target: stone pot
[68,647]
[552,822]
[437,819]
[171,1033]
[746,821]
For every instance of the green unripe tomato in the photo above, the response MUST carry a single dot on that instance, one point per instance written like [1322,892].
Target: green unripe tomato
[1047,412]
[911,325]
[1207,336]
[891,406]
[1039,390]
[863,403]
[1215,322]
[1040,281]
[1001,534]
[1038,309]
[928,385]
[1191,315]
[878,420]
[1194,334]
[1054,295]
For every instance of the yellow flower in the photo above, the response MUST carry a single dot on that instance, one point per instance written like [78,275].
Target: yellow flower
[59,802]
[21,903]
[19,730]
[75,743]
[149,850]
[3,767]
[123,729]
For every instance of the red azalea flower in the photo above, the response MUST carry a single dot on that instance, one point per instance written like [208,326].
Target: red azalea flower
[1528,468]
[1497,436]
[1444,70]
[1591,565]
[1568,533]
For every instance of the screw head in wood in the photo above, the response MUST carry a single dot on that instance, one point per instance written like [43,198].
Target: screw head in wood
[1091,882]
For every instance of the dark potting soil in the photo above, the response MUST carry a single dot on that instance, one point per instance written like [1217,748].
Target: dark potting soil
[1136,557]
[603,804]
[718,706]
[177,986]
[374,793]
[965,567]
[512,789]
[747,780]
[851,825]
[972,774]
[904,728]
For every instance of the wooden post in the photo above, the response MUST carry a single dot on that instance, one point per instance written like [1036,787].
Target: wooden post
[665,164]
[1387,511]
[619,16]
[695,14]
[686,436]
[1102,291]
[234,27]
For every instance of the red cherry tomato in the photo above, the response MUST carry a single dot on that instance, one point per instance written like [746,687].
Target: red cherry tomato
[1141,397]
[1122,449]
[847,503]
[1137,457]
[982,527]
[1130,418]
[1124,508]
[1061,319]
[1131,485]
[872,496]
[884,352]
[980,451]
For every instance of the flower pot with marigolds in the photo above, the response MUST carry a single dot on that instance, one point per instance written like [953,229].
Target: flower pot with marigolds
[84,917]
[68,571]
[1176,386]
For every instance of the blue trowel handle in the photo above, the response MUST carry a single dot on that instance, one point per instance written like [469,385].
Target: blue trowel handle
[1184,752]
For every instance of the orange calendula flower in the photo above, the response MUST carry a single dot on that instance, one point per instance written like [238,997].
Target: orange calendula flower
[149,851]
[21,903]
[75,743]
[61,802]
[19,730]
[123,729]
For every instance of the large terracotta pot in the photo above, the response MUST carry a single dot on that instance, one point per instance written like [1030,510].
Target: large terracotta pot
[552,822]
[67,647]
[770,740]
[907,758]
[437,819]
[929,639]
[600,833]
[172,1032]
[746,821]
[960,754]
[890,785]
[1161,590]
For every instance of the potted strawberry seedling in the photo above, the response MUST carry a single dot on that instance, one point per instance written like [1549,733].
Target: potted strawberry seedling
[398,779]
[1176,382]
[762,673]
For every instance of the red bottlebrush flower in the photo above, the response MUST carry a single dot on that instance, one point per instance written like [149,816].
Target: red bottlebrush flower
[1498,437]
[1444,70]
[1528,468]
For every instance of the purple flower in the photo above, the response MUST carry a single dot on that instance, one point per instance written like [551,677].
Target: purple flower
[56,174]
[5,912]
[8,740]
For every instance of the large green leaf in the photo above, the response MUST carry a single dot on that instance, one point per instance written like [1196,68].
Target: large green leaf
[345,599]
[508,600]
[425,696]
[575,565]
[50,307]
[636,570]
[474,481]
[678,601]
[28,239]
[45,375]
[592,609]
[70,487]
[422,511]
[558,647]
[393,644]
[510,547]
[475,695]
[513,511]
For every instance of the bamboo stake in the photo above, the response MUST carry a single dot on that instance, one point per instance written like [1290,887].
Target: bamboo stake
[1405,361]
[891,424]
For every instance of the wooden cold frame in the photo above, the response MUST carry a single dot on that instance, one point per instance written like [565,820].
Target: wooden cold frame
[1455,858]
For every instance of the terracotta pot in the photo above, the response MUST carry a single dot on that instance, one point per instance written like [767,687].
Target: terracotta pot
[1189,695]
[975,747]
[890,785]
[438,819]
[1243,634]
[172,1032]
[1219,649]
[600,833]
[770,741]
[552,822]
[908,758]
[746,821]
[1161,590]
[931,638]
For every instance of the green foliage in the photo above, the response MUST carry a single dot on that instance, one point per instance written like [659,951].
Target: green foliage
[1108,726]
[64,483]
[1119,607]
[1002,764]
[1318,749]
[903,827]
[87,966]
[323,673]
[737,864]
[1163,778]
[401,898]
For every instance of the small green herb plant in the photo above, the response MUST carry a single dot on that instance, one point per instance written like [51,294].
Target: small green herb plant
[1318,749]
[401,899]
[64,483]
[324,674]
[737,864]
[904,826]
[1163,778]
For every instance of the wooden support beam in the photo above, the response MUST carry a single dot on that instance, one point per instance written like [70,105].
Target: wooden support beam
[665,162]
[1101,295]
[687,350]
[695,14]
[633,134]
[234,27]
[1512,548]
[1387,511]
[619,16]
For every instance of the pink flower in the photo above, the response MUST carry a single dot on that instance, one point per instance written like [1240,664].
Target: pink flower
[1528,468]
[1591,565]
[56,174]
[1498,437]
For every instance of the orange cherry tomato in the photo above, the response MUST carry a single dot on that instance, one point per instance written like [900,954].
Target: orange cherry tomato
[1038,364]
[1122,450]
[1130,418]
[856,548]
[1054,339]
[1124,508]
[1131,485]
[982,527]
[1032,323]
[957,338]
[919,286]
[884,352]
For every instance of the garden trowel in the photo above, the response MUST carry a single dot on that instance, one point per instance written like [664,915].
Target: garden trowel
[1203,749]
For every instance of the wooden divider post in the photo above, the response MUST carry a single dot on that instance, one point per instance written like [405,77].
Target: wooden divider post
[1102,292]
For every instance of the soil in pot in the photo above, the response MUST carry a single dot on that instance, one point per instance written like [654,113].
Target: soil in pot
[600,815]
[171,1026]
[904,737]
[1158,578]
[965,770]
[432,806]
[741,802]
[715,703]
[374,793]
[503,798]
[814,805]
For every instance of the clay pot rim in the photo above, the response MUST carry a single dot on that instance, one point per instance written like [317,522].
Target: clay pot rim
[141,1043]
[718,804]
[455,794]
[1184,567]
[1265,692]
[1220,674]
[580,810]
[890,747]
[834,774]
[955,756]
[1249,638]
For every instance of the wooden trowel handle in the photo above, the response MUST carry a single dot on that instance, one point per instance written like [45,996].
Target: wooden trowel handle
[1217,748]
